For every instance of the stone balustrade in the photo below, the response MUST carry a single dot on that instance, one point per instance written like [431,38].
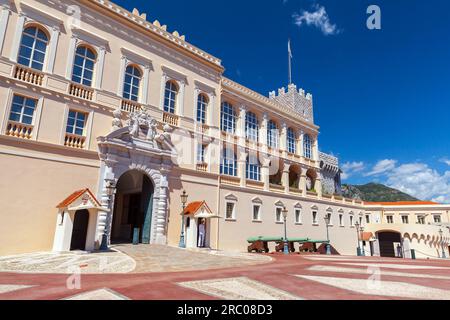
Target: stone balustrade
[74,141]
[28,75]
[202,167]
[19,130]
[80,91]
[171,119]
[130,106]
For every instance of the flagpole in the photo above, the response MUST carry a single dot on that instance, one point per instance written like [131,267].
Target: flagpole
[290,62]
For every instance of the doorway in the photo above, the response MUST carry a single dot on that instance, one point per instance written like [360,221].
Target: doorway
[388,241]
[133,209]
[79,231]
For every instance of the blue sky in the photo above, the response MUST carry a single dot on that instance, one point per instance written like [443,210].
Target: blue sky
[381,97]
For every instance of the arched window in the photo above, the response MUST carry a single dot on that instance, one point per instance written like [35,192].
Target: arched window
[202,106]
[132,83]
[33,48]
[272,135]
[170,97]
[307,146]
[228,165]
[83,66]
[251,127]
[253,168]
[291,141]
[228,116]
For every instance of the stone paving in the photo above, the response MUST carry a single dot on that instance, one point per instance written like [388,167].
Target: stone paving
[127,258]
[156,258]
[275,276]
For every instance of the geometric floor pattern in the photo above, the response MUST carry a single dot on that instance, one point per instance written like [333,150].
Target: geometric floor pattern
[277,277]
[238,289]
[382,288]
[98,295]
[5,288]
[371,271]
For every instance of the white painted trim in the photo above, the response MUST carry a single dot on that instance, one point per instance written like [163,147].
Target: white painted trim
[40,16]
[4,18]
[100,66]
[135,57]
[89,37]
[123,64]
[52,47]
[145,84]
[71,57]
[17,38]
[180,98]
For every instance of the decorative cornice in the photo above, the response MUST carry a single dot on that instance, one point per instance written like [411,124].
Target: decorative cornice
[159,31]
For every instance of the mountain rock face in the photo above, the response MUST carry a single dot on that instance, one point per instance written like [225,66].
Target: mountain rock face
[374,192]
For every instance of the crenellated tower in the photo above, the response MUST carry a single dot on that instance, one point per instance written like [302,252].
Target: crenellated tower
[295,99]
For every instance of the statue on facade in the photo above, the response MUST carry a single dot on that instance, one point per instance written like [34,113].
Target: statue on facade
[139,122]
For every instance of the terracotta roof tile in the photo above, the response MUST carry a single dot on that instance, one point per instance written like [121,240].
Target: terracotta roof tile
[403,203]
[193,207]
[74,196]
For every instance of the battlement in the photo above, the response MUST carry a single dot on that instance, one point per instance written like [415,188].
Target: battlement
[156,23]
[329,162]
[296,99]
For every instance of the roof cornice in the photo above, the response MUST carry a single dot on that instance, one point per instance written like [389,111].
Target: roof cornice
[157,31]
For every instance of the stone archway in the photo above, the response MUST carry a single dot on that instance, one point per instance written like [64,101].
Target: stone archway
[133,208]
[141,148]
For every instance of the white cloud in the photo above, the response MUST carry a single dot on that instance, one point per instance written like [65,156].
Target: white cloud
[382,167]
[318,18]
[446,161]
[350,168]
[420,181]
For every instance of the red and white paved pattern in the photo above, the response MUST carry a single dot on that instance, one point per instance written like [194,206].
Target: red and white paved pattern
[286,277]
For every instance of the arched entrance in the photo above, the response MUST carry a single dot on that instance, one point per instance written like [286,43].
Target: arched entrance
[389,241]
[79,231]
[133,208]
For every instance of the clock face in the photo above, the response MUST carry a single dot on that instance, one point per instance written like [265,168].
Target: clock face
[308,183]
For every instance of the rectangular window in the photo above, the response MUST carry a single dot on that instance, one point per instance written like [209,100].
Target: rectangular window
[76,123]
[256,213]
[421,220]
[201,151]
[298,216]
[314,217]
[22,109]
[341,220]
[368,218]
[390,219]
[230,211]
[352,221]
[405,219]
[279,215]
[437,219]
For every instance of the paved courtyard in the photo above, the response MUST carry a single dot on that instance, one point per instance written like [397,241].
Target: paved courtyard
[206,276]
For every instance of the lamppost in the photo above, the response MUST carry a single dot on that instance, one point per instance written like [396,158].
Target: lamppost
[442,244]
[361,232]
[184,198]
[358,250]
[110,187]
[327,222]
[286,244]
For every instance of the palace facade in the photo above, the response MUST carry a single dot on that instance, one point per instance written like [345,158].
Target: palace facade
[106,118]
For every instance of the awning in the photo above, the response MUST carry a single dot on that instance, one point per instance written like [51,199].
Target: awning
[367,236]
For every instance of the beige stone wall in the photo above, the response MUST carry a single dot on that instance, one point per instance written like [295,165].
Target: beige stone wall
[30,190]
[234,234]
